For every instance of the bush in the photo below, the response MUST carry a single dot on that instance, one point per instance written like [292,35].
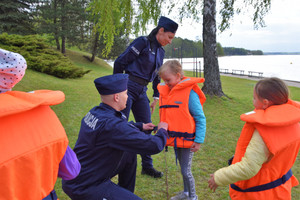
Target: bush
[40,56]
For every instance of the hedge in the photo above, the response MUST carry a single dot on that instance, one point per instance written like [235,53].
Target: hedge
[40,56]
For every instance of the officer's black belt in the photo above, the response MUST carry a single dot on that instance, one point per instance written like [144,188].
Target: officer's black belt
[138,80]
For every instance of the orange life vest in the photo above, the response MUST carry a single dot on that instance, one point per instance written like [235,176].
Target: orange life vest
[279,127]
[174,109]
[32,144]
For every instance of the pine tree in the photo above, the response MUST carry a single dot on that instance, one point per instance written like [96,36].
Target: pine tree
[16,16]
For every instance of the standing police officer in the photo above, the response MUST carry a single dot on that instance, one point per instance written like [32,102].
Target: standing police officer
[106,143]
[142,60]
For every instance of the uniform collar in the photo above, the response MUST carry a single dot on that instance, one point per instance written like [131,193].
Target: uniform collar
[111,110]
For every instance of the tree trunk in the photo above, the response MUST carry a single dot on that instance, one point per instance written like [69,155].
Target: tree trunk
[63,28]
[56,25]
[94,50]
[212,84]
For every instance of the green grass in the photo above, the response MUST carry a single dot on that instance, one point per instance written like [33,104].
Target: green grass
[223,128]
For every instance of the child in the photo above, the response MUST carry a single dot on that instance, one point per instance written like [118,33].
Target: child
[180,104]
[267,147]
[34,145]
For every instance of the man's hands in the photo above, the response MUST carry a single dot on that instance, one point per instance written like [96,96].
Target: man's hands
[148,126]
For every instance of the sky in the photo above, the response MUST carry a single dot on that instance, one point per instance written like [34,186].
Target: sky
[281,34]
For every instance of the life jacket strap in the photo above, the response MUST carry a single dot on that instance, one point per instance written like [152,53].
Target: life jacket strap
[51,196]
[266,186]
[175,149]
[169,106]
[185,135]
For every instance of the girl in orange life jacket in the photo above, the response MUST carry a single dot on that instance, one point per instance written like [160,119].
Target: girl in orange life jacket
[267,147]
[180,104]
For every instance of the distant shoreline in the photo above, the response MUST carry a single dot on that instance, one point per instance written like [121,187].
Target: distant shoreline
[281,53]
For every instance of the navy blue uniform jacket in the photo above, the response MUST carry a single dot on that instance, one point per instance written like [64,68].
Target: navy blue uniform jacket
[104,136]
[142,59]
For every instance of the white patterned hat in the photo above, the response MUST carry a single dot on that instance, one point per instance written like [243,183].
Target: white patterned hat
[12,69]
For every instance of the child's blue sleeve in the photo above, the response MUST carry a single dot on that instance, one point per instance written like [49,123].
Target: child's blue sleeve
[196,111]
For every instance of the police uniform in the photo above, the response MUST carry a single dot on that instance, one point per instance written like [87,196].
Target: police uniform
[142,60]
[105,141]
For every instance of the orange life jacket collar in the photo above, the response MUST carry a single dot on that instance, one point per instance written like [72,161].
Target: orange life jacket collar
[12,102]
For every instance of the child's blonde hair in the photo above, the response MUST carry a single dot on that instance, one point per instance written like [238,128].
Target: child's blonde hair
[174,66]
[273,89]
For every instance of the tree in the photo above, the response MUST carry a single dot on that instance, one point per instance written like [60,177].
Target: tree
[259,8]
[184,48]
[16,17]
[65,20]
[212,84]
[117,13]
[111,16]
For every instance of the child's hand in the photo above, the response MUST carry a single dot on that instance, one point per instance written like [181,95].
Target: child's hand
[148,126]
[195,147]
[211,183]
[153,105]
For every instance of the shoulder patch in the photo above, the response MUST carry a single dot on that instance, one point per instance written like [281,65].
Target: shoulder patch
[135,50]
[90,120]
[138,45]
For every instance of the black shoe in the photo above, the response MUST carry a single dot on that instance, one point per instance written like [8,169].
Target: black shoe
[152,172]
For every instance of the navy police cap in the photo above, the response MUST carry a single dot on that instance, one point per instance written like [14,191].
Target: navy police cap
[111,84]
[168,24]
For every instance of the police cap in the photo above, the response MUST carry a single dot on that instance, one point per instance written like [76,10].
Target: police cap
[111,84]
[168,24]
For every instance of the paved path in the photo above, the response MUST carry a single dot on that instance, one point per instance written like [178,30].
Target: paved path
[289,83]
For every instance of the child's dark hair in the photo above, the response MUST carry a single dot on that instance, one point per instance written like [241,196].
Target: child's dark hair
[273,89]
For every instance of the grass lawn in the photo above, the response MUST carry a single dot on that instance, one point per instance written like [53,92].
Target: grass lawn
[223,128]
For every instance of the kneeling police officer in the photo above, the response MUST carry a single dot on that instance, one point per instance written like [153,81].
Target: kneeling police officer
[107,145]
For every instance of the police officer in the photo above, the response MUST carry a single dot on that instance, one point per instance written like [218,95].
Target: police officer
[107,145]
[142,60]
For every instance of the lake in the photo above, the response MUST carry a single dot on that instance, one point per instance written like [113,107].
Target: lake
[286,67]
